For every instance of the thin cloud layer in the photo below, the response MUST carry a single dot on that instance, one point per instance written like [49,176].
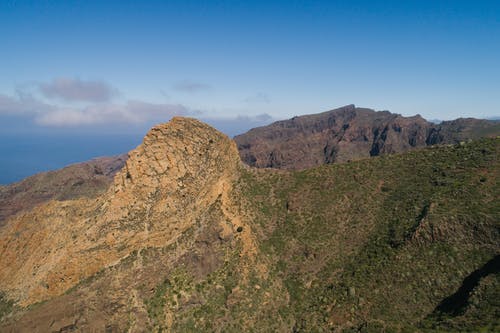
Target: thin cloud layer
[45,113]
[70,89]
[191,87]
[21,105]
[239,124]
[133,112]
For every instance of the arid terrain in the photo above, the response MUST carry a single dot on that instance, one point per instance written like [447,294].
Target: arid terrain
[350,133]
[182,236]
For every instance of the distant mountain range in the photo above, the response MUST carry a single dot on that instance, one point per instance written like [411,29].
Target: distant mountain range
[350,133]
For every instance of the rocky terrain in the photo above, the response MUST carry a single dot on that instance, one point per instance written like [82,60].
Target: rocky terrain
[350,133]
[86,179]
[461,129]
[187,239]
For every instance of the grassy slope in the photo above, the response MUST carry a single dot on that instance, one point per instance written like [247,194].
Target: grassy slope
[380,242]
[374,245]
[469,129]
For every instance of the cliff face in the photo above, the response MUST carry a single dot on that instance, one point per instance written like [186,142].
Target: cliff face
[188,239]
[348,133]
[168,182]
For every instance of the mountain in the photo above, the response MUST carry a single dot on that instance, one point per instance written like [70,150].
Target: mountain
[187,238]
[87,179]
[462,129]
[349,133]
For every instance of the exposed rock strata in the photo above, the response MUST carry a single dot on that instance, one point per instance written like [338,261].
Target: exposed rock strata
[349,133]
[169,181]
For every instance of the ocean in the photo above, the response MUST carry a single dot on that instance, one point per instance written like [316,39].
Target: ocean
[24,155]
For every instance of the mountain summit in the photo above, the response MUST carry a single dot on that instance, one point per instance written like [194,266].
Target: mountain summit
[167,184]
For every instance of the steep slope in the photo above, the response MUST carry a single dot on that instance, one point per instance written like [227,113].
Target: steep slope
[88,179]
[188,239]
[377,245]
[462,129]
[165,184]
[168,222]
[349,133]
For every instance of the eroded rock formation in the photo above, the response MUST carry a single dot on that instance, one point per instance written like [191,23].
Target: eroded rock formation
[170,180]
[349,133]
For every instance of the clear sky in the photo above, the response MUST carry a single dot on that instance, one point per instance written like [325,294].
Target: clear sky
[101,66]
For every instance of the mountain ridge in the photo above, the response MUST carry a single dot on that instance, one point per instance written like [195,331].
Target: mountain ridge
[188,238]
[350,133]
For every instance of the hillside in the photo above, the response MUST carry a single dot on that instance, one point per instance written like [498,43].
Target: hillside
[350,133]
[189,239]
[85,179]
[340,135]
[461,129]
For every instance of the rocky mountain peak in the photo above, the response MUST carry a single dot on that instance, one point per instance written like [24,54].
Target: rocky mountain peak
[177,161]
[186,239]
[174,152]
[349,133]
[338,135]
[181,169]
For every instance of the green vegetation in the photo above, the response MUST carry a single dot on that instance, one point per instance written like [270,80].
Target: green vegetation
[400,243]
[6,306]
[369,246]
[380,242]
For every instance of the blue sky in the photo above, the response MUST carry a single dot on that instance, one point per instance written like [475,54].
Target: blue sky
[120,66]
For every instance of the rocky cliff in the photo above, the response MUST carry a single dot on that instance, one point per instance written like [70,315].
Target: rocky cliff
[349,133]
[166,186]
[188,239]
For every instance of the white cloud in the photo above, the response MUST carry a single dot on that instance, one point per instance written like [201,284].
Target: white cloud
[70,89]
[133,112]
[21,105]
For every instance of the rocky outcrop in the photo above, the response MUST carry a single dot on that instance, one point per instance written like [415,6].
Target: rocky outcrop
[179,171]
[349,133]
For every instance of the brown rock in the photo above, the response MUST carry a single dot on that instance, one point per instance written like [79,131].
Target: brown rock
[349,133]
[87,179]
[181,168]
